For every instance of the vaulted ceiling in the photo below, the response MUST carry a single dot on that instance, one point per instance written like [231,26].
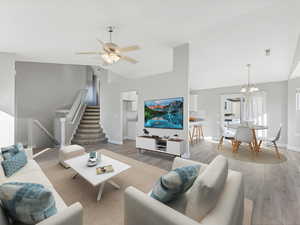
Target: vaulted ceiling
[224,35]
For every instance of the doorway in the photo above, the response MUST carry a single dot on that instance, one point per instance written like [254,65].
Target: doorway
[129,114]
[232,106]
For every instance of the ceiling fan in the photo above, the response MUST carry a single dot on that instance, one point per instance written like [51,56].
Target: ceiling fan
[111,52]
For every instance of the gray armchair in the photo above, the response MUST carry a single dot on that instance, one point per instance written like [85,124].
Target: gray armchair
[141,209]
[71,215]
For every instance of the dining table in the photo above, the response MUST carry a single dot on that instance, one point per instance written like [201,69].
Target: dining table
[253,127]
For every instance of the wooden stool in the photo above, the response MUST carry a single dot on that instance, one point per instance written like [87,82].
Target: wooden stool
[197,132]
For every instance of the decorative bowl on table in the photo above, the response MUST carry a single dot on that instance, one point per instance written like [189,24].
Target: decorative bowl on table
[93,159]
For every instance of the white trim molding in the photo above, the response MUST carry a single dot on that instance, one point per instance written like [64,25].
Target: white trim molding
[115,142]
[281,145]
[293,148]
[130,138]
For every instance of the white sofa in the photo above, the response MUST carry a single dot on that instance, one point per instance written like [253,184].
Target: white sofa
[140,208]
[33,173]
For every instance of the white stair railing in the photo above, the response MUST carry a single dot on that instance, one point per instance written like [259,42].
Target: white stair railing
[66,125]
[40,125]
[75,109]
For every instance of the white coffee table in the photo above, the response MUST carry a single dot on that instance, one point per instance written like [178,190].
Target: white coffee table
[78,164]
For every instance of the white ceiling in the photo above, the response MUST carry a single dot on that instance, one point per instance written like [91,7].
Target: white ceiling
[223,35]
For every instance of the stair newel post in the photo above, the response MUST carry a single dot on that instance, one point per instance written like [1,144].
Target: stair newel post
[62,132]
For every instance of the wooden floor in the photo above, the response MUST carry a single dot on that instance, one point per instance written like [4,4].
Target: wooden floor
[274,188]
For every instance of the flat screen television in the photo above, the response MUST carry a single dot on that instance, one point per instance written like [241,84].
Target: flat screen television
[164,113]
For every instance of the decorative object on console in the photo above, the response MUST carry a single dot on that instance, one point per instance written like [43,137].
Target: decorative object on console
[175,183]
[146,132]
[164,113]
[27,203]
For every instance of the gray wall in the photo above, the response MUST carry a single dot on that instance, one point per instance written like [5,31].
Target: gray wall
[276,94]
[41,89]
[293,137]
[7,99]
[166,85]
[7,83]
[296,58]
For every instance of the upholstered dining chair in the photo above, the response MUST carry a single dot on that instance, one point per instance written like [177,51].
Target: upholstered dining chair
[225,134]
[243,135]
[273,141]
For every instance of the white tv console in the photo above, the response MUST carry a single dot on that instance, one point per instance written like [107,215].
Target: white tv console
[172,146]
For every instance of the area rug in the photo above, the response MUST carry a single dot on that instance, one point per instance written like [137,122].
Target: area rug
[265,156]
[109,210]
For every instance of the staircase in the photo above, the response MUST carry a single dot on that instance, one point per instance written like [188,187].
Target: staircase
[89,131]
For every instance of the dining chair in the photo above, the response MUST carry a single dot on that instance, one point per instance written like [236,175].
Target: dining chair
[243,135]
[273,141]
[227,134]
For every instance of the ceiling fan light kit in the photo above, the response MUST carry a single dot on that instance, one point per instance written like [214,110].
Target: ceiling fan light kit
[111,53]
[110,58]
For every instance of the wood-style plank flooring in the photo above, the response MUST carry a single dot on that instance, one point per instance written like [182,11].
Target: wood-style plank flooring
[274,188]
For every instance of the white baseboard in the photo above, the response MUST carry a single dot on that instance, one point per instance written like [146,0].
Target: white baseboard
[281,145]
[130,138]
[115,142]
[293,148]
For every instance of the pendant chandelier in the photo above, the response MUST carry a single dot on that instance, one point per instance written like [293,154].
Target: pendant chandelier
[249,88]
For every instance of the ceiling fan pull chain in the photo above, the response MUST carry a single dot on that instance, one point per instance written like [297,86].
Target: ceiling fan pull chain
[110,30]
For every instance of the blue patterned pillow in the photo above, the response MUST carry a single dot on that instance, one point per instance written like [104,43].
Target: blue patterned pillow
[19,146]
[175,183]
[8,152]
[14,163]
[26,202]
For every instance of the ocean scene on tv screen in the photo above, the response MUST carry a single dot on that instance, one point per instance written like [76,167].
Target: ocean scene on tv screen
[164,113]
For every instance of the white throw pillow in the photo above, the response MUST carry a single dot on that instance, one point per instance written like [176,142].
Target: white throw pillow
[205,192]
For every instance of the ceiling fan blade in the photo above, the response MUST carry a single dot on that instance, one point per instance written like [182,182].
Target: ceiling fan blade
[88,53]
[129,59]
[129,48]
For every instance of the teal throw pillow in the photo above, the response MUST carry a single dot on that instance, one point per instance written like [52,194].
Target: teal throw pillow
[8,152]
[20,146]
[175,183]
[14,163]
[27,203]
